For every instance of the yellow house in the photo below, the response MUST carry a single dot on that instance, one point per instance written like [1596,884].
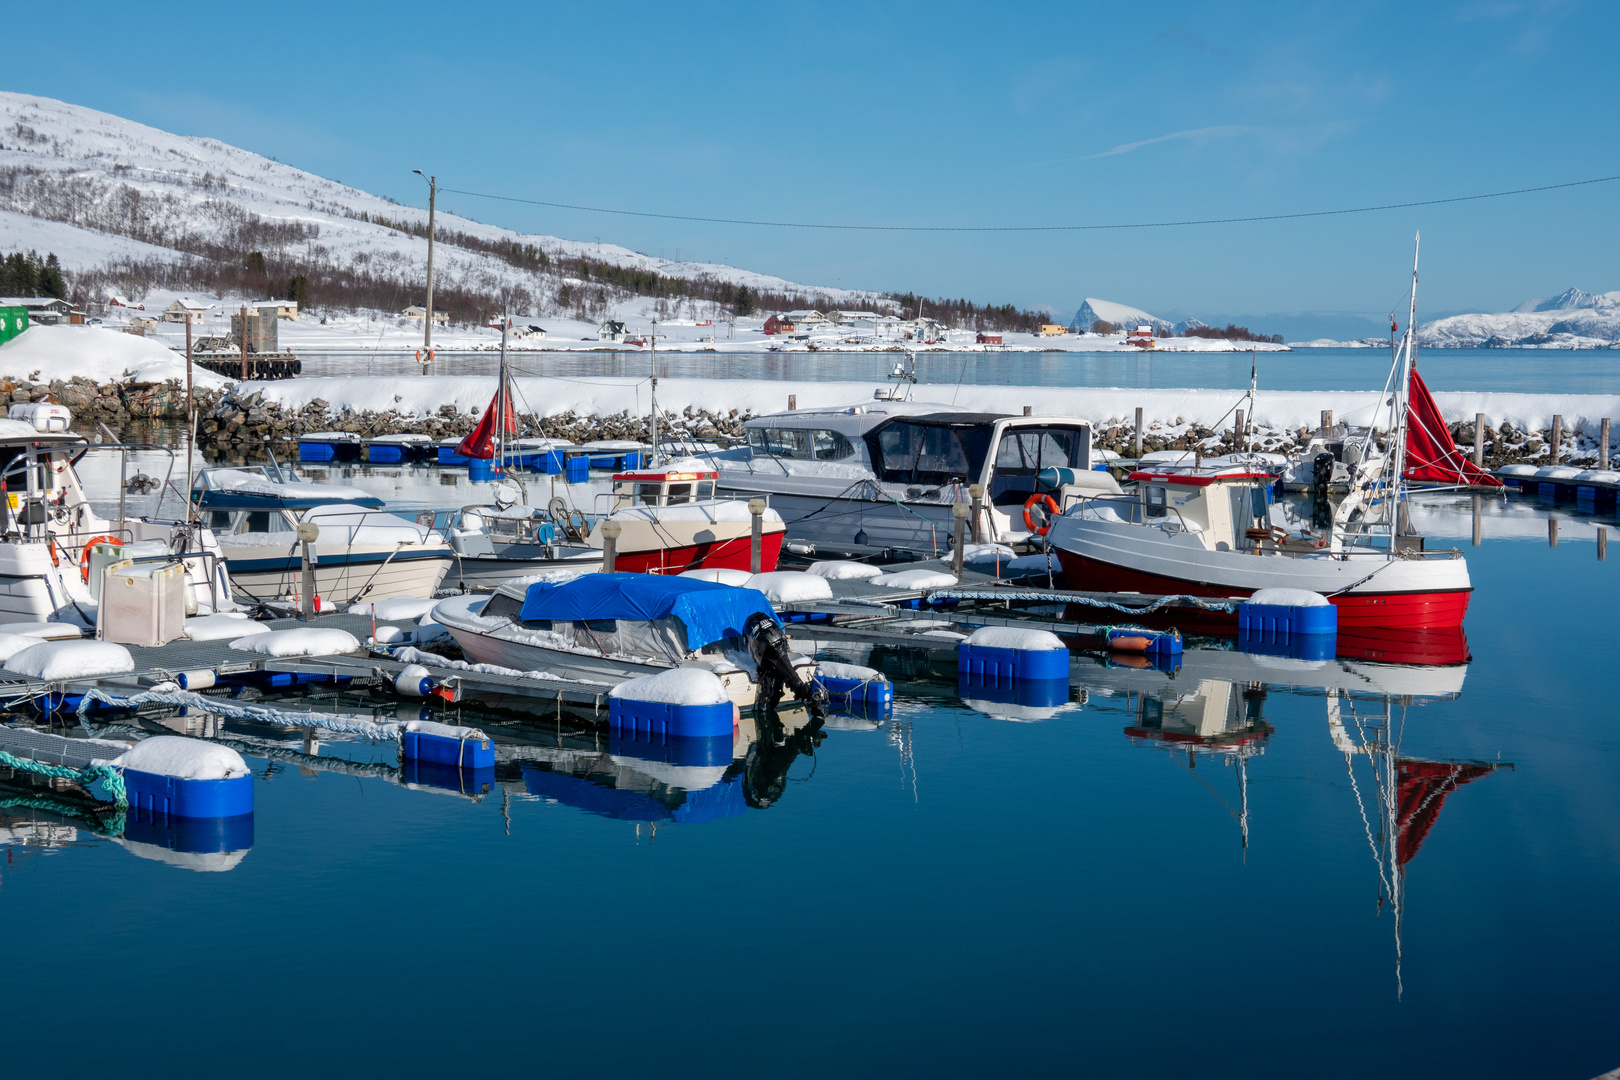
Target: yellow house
[1052,330]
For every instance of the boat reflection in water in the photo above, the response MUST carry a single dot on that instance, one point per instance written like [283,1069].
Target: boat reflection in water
[1212,706]
[652,780]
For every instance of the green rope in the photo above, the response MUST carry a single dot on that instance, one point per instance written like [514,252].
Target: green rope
[112,825]
[86,776]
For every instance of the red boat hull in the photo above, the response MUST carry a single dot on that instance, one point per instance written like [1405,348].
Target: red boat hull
[1357,611]
[730,554]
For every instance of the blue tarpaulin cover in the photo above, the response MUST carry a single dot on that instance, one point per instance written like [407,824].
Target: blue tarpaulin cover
[709,610]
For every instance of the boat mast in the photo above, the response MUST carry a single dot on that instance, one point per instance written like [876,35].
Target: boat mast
[653,431]
[500,399]
[1401,403]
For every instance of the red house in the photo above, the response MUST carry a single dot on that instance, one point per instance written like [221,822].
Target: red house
[988,339]
[778,324]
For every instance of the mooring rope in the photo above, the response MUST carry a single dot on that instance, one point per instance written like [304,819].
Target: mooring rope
[387,731]
[1042,596]
[86,776]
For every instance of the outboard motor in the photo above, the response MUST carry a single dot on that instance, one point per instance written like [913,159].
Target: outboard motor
[768,643]
[1322,478]
[773,754]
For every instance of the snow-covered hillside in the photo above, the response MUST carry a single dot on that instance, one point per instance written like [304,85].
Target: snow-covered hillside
[1094,310]
[1571,320]
[98,189]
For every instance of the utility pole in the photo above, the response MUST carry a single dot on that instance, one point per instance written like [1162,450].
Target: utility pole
[427,319]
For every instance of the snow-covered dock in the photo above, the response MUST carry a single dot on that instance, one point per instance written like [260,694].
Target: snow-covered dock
[1596,486]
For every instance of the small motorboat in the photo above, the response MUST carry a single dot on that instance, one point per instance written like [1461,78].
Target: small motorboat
[607,628]
[672,522]
[362,552]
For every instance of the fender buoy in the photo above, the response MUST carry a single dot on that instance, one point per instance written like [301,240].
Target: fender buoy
[84,555]
[419,356]
[56,560]
[1040,499]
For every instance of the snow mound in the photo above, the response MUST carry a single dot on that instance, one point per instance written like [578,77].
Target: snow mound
[299,641]
[447,731]
[396,608]
[844,570]
[183,759]
[721,575]
[791,586]
[988,553]
[678,686]
[1517,470]
[389,635]
[50,631]
[220,627]
[1288,598]
[12,644]
[1031,564]
[831,670]
[61,352]
[54,660]
[1016,637]
[915,579]
[1558,472]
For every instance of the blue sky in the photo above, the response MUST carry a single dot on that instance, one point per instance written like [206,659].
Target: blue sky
[937,114]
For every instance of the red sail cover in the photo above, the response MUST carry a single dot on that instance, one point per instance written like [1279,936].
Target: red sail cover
[480,442]
[1431,455]
[1422,789]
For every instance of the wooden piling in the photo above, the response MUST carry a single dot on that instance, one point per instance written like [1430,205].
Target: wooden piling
[1557,436]
[1327,419]
[1029,410]
[1479,530]
[1603,544]
[756,511]
[793,402]
[1479,439]
[1552,532]
[1603,444]
[1237,431]
[1138,443]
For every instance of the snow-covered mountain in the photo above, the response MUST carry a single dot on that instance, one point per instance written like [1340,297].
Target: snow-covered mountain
[1121,315]
[1571,320]
[102,192]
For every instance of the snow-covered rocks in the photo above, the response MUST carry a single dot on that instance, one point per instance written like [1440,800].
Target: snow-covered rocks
[183,759]
[299,641]
[58,660]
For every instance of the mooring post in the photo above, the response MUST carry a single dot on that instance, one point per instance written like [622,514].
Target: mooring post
[1479,530]
[1237,431]
[1552,532]
[610,545]
[1557,436]
[959,515]
[756,510]
[793,402]
[1029,410]
[1603,543]
[976,493]
[1479,439]
[1138,443]
[308,533]
[1327,419]
[1603,444]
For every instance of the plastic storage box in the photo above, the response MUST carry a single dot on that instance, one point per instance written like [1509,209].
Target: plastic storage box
[142,604]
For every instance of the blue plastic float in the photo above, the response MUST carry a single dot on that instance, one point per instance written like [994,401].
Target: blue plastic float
[1287,612]
[999,653]
[687,702]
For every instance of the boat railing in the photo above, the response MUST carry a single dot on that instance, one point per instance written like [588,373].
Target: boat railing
[1126,509]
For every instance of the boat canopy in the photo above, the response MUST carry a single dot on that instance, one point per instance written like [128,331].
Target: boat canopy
[256,488]
[709,611]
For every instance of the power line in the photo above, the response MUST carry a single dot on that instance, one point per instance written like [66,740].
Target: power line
[1035,228]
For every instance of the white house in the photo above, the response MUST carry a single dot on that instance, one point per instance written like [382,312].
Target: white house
[185,310]
[612,331]
[282,309]
[416,311]
[803,320]
[855,316]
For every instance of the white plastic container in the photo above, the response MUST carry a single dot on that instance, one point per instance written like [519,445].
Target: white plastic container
[103,556]
[142,604]
[42,415]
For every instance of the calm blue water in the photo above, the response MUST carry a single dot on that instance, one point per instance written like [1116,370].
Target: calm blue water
[948,894]
[1523,370]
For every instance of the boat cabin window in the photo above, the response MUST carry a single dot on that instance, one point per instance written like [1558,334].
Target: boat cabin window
[235,522]
[918,452]
[647,494]
[502,606]
[1024,452]
[800,444]
[1153,498]
[672,494]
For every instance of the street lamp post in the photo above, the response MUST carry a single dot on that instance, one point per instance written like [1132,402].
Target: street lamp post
[427,319]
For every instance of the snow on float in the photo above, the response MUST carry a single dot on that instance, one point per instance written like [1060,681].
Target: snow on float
[606,628]
[1013,665]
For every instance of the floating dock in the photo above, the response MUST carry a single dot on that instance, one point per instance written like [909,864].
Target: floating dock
[1562,482]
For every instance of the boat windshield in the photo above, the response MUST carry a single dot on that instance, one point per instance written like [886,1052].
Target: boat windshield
[804,444]
[929,452]
[1024,451]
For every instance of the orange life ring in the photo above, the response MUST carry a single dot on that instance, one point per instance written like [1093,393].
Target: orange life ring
[419,356]
[84,556]
[1040,499]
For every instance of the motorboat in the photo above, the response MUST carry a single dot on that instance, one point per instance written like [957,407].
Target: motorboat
[670,522]
[53,543]
[1334,459]
[362,552]
[1211,530]
[887,472]
[607,628]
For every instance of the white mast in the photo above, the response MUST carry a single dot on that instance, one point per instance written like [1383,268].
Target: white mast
[653,432]
[1401,400]
[500,400]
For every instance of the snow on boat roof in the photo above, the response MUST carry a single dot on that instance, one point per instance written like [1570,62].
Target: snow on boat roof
[214,483]
[709,611]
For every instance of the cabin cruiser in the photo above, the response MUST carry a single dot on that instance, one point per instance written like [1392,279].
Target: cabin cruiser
[361,552]
[53,544]
[606,628]
[1211,530]
[669,519]
[886,472]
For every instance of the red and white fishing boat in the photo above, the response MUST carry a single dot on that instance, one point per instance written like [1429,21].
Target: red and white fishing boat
[1208,530]
[670,522]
